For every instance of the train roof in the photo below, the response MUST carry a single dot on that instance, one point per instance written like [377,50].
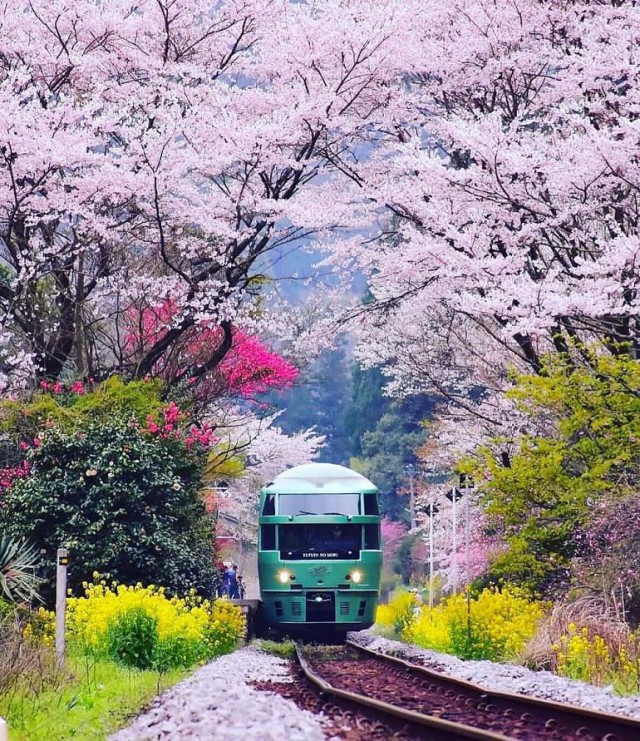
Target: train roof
[321,478]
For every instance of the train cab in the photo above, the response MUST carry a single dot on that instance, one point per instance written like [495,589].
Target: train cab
[319,550]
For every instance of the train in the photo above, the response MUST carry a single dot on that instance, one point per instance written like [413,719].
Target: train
[319,551]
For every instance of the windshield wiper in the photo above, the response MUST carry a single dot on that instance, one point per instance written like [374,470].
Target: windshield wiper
[304,512]
[344,514]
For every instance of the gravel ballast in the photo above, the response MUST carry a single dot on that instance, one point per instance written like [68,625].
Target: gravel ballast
[509,677]
[218,702]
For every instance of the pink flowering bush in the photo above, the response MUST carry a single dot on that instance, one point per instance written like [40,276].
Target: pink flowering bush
[248,368]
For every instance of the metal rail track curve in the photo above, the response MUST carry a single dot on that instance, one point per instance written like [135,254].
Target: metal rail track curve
[438,728]
[585,722]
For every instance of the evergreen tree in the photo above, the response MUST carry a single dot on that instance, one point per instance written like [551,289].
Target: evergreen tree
[319,400]
[384,433]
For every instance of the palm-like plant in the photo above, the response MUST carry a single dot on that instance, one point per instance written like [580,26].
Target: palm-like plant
[18,580]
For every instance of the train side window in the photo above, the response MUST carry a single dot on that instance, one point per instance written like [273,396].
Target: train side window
[269,507]
[371,537]
[268,537]
[371,504]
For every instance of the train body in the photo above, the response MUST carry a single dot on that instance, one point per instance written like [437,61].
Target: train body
[319,550]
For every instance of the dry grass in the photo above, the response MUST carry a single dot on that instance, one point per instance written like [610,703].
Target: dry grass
[586,612]
[24,664]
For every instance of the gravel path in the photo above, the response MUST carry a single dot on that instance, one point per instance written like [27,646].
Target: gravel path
[217,703]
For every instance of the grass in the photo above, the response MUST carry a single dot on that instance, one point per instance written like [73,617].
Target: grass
[285,649]
[95,699]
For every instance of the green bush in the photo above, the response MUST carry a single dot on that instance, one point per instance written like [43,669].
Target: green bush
[132,639]
[178,651]
[470,641]
[120,493]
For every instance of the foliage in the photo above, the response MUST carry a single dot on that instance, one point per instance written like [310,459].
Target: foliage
[584,654]
[398,615]
[92,699]
[410,558]
[511,197]
[318,400]
[586,638]
[172,158]
[368,404]
[582,457]
[283,649]
[67,406]
[393,534]
[120,492]
[18,561]
[26,656]
[494,625]
[610,556]
[109,631]
[387,448]
[143,628]
[131,638]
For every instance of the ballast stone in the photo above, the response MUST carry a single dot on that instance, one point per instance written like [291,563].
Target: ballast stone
[217,704]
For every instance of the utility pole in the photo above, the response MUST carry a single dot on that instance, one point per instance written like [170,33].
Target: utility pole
[453,495]
[62,560]
[432,510]
[412,497]
[467,483]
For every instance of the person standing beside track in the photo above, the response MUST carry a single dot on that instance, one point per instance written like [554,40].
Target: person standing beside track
[230,583]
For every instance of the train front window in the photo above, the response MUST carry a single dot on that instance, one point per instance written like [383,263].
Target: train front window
[269,505]
[319,504]
[371,504]
[322,541]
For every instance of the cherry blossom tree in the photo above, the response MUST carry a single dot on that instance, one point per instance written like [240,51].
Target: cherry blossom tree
[512,180]
[266,452]
[166,149]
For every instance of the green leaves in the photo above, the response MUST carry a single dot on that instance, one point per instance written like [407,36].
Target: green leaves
[125,502]
[581,451]
[18,560]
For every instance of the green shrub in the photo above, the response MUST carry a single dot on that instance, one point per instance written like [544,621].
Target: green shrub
[132,638]
[122,494]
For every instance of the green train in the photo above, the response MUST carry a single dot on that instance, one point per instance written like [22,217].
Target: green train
[319,550]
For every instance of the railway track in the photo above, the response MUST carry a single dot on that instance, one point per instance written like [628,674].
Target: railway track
[435,706]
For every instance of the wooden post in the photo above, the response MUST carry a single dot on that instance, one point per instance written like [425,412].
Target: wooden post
[62,559]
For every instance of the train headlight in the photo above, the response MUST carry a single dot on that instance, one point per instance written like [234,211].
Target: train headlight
[284,576]
[356,576]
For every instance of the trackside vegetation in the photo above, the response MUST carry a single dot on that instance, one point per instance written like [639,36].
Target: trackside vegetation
[493,625]
[506,625]
[560,500]
[113,471]
[125,645]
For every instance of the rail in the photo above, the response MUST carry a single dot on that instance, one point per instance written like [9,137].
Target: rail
[586,721]
[439,728]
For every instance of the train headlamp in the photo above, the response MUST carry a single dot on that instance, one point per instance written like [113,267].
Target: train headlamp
[356,576]
[285,576]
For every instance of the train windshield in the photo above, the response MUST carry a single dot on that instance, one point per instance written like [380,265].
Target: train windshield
[323,541]
[319,504]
